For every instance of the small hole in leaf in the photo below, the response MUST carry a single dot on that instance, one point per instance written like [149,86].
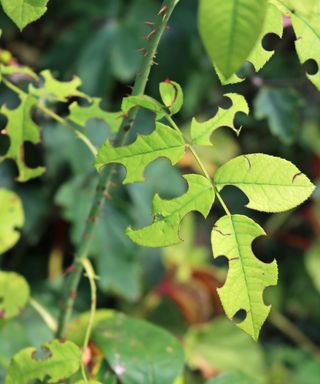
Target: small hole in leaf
[270,295]
[311,67]
[239,120]
[42,353]
[226,103]
[240,316]
[270,42]
[247,70]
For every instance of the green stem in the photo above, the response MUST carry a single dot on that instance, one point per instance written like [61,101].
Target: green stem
[294,333]
[45,315]
[106,177]
[201,165]
[91,276]
[53,115]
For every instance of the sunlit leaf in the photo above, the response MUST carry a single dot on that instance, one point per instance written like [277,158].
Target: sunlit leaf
[162,142]
[14,294]
[271,184]
[24,12]
[232,237]
[82,114]
[56,360]
[201,132]
[146,102]
[168,213]
[56,90]
[172,95]
[230,30]
[11,219]
[305,18]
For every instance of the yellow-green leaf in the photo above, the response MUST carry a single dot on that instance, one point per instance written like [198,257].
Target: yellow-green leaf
[247,278]
[21,128]
[24,12]
[168,213]
[14,294]
[162,142]
[57,360]
[230,30]
[11,219]
[271,184]
[201,132]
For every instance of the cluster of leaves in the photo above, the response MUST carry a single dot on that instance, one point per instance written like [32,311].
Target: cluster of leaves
[270,183]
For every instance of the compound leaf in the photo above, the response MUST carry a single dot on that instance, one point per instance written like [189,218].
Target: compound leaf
[56,90]
[171,95]
[81,114]
[24,12]
[162,142]
[20,128]
[168,213]
[232,237]
[11,219]
[56,360]
[14,294]
[201,132]
[272,184]
[230,30]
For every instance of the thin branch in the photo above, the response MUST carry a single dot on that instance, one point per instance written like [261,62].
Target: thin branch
[105,182]
[44,314]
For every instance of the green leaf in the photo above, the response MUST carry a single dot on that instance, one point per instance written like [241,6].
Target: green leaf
[271,184]
[21,128]
[305,18]
[201,132]
[162,142]
[247,278]
[312,262]
[55,90]
[57,360]
[230,30]
[218,346]
[281,108]
[145,102]
[139,352]
[82,114]
[14,294]
[11,219]
[171,95]
[24,12]
[168,213]
[258,57]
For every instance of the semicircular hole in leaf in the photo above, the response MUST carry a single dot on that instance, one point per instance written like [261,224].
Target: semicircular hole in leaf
[311,67]
[270,42]
[262,252]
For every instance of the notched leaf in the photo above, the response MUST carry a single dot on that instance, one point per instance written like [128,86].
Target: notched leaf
[55,360]
[162,142]
[247,278]
[169,213]
[272,184]
[21,128]
[201,132]
[55,90]
[82,114]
